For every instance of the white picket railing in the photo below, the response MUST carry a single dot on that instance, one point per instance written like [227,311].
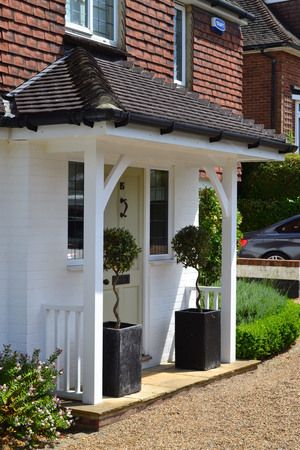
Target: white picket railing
[212,296]
[64,330]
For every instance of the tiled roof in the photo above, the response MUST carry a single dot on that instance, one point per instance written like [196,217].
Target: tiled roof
[79,88]
[265,31]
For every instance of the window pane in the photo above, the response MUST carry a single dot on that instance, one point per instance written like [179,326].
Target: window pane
[159,212]
[103,17]
[75,210]
[77,11]
[178,45]
[290,227]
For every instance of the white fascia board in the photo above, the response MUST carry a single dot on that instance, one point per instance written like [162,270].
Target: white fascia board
[188,143]
[269,2]
[216,11]
[48,132]
[142,141]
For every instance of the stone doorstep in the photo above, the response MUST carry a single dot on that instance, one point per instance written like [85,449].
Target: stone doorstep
[158,383]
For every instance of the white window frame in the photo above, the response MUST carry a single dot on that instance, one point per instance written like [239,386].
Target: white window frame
[169,255]
[296,97]
[87,32]
[183,49]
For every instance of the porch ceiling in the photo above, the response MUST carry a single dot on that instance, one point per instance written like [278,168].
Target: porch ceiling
[146,146]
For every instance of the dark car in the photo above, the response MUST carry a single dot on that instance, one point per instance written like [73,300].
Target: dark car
[278,241]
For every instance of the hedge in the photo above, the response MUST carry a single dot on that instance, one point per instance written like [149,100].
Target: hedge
[271,180]
[261,213]
[269,336]
[269,192]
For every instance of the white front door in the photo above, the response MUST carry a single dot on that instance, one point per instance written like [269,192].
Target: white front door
[125,209]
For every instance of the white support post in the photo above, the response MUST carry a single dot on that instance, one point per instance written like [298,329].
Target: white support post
[93,274]
[228,311]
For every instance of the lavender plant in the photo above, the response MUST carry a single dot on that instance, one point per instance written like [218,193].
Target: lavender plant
[30,413]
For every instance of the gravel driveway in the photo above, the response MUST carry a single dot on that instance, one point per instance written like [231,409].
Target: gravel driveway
[256,410]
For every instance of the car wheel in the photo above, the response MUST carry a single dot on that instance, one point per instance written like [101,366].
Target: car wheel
[277,256]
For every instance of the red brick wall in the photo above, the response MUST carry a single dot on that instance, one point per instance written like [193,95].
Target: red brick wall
[217,62]
[289,75]
[289,14]
[31,38]
[149,35]
[257,89]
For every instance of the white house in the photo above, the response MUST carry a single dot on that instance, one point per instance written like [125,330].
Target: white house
[131,147]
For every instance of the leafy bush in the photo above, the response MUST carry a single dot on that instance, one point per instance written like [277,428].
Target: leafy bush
[120,252]
[256,300]
[29,413]
[192,247]
[210,220]
[261,213]
[271,180]
[269,336]
[269,192]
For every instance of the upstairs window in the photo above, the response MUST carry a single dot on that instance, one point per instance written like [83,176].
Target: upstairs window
[159,212]
[297,125]
[180,45]
[96,19]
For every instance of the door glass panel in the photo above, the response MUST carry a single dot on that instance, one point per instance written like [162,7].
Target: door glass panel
[75,210]
[159,212]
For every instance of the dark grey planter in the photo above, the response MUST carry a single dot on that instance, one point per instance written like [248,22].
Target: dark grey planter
[197,339]
[122,368]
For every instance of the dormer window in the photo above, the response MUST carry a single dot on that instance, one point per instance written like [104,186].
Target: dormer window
[180,45]
[95,19]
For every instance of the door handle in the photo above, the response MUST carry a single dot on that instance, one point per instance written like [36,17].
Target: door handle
[123,201]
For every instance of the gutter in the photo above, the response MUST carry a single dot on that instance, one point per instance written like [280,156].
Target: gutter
[122,118]
[233,8]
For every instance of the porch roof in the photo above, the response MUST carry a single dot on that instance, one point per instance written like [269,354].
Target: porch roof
[265,31]
[81,89]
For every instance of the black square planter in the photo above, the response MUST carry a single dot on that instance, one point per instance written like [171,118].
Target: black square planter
[122,368]
[197,339]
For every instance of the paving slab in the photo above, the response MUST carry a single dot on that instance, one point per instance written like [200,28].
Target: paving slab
[157,383]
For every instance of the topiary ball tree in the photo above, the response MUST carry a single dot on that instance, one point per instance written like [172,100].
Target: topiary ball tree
[120,252]
[192,246]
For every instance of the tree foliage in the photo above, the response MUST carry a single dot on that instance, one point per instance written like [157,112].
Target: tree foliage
[210,219]
[192,247]
[120,252]
[269,192]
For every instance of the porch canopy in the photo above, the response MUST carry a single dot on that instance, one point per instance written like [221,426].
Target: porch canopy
[129,117]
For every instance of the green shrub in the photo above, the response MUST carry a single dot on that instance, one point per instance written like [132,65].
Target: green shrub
[269,192]
[29,412]
[271,180]
[192,247]
[256,300]
[120,252]
[269,336]
[261,213]
[210,221]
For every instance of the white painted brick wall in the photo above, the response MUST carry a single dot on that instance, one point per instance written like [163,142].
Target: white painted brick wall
[33,256]
[168,280]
